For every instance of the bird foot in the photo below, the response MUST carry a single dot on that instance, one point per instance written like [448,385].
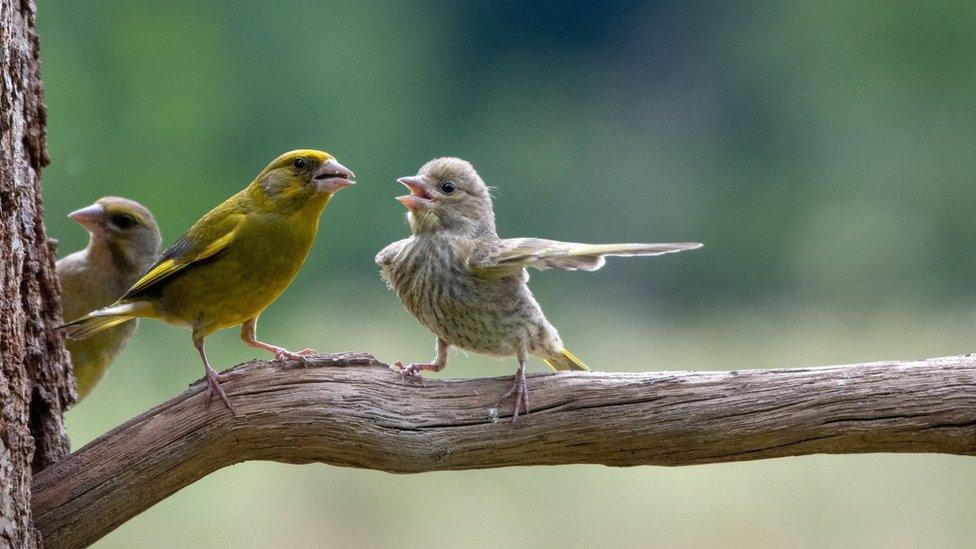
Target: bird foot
[520,393]
[281,354]
[412,372]
[213,386]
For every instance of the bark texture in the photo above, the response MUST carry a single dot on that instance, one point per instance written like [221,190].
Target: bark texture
[35,381]
[364,415]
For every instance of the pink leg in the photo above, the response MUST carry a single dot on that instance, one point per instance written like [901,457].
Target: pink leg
[249,336]
[519,390]
[412,372]
[213,378]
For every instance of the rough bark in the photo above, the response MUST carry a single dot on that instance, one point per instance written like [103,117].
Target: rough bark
[363,415]
[35,383]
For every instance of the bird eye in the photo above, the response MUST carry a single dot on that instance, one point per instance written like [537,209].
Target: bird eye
[448,187]
[123,221]
[299,163]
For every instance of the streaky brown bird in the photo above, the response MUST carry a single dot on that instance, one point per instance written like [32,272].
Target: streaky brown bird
[469,287]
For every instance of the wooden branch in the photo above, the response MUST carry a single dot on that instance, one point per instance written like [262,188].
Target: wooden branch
[363,415]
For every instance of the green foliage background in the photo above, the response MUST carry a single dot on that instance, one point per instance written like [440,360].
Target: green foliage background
[823,153]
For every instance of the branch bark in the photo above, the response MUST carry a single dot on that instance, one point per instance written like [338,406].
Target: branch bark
[363,415]
[35,380]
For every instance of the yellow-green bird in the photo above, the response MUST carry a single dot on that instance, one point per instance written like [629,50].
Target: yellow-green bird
[236,260]
[123,241]
[468,286]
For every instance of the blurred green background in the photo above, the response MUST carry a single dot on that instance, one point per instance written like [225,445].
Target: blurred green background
[822,152]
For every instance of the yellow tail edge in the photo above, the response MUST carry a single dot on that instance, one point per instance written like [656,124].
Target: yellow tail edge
[568,361]
[91,325]
[103,319]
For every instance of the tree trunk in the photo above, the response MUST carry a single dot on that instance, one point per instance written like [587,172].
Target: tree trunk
[35,381]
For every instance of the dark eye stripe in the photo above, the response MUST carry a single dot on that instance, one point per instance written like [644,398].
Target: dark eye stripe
[123,221]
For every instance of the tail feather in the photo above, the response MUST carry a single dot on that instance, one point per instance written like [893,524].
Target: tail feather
[626,250]
[102,319]
[566,361]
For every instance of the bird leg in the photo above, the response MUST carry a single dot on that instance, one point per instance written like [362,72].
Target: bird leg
[213,378]
[520,390]
[412,372]
[249,337]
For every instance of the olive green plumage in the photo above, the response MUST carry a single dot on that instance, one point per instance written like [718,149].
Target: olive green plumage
[123,241]
[468,286]
[236,260]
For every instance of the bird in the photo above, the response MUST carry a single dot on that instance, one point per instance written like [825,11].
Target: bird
[123,241]
[234,261]
[469,287]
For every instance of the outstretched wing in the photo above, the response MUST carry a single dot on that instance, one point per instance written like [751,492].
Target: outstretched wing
[508,257]
[208,236]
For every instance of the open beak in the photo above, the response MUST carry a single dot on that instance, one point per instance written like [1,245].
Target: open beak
[332,176]
[419,197]
[89,217]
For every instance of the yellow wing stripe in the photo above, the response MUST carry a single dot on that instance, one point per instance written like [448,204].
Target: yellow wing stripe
[170,266]
[216,246]
[160,271]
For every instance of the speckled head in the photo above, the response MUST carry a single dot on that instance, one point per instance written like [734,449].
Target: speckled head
[447,194]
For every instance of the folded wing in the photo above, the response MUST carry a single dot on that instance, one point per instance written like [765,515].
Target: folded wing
[205,239]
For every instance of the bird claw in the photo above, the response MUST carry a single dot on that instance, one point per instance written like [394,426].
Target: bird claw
[520,390]
[213,386]
[281,354]
[410,373]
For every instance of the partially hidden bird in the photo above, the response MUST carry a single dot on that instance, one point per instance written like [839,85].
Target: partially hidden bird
[469,287]
[123,241]
[235,261]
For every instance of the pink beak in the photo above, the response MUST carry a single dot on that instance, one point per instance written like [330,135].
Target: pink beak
[419,197]
[332,177]
[89,217]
